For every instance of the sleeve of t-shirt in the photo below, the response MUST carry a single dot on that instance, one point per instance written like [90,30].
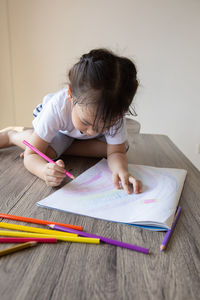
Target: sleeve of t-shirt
[49,121]
[120,136]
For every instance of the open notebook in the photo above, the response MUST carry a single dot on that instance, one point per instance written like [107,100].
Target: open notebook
[93,194]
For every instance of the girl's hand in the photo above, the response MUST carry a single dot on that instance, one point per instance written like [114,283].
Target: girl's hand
[54,173]
[126,180]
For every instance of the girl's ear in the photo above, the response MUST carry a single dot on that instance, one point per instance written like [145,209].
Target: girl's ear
[69,94]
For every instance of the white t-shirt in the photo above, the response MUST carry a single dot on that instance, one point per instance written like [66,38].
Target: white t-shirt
[56,116]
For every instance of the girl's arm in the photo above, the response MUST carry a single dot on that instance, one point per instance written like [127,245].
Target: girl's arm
[118,164]
[52,174]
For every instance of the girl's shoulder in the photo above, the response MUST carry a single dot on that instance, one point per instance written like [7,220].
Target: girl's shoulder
[58,99]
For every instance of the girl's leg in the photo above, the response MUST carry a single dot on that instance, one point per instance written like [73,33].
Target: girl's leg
[10,137]
[89,148]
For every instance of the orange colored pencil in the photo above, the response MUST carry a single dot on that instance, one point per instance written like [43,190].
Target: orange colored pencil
[37,221]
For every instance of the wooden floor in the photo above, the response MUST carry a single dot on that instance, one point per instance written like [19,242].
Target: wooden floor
[80,271]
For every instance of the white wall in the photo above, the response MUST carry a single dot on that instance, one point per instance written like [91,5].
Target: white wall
[7,107]
[45,37]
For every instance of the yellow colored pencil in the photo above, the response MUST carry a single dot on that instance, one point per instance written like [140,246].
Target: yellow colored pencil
[17,248]
[75,239]
[34,229]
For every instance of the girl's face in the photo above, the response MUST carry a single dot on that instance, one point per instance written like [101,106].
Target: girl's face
[83,119]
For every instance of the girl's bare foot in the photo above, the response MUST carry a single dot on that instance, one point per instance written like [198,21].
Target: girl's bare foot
[13,136]
[5,138]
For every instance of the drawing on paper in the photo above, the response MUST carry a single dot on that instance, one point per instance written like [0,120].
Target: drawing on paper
[94,194]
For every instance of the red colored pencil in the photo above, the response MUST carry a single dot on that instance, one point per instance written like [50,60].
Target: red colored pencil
[24,240]
[37,221]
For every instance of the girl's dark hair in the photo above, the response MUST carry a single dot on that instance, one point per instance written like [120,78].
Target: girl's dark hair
[103,78]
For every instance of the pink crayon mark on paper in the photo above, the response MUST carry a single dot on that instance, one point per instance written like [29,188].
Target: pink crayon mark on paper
[149,201]
[96,177]
[105,173]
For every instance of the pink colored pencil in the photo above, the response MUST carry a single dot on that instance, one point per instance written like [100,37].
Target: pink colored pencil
[24,240]
[45,157]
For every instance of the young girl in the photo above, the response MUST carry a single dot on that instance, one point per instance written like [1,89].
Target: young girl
[85,118]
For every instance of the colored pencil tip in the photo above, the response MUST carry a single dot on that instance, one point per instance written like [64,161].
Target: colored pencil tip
[33,243]
[50,225]
[162,248]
